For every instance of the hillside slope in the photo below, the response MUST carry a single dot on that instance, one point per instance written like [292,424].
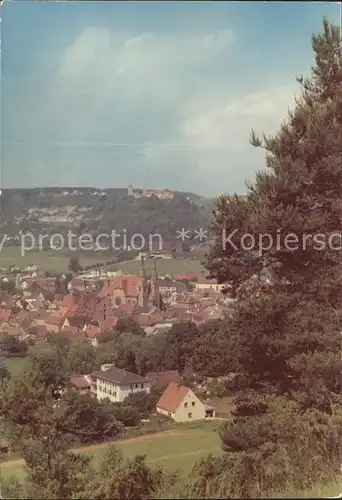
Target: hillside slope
[96,211]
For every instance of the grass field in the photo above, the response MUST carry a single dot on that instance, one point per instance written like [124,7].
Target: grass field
[57,261]
[16,365]
[49,260]
[164,266]
[175,449]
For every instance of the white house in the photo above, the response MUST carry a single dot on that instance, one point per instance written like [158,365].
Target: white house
[204,285]
[182,405]
[158,328]
[116,384]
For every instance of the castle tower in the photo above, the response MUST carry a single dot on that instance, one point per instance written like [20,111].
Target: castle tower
[155,295]
[143,295]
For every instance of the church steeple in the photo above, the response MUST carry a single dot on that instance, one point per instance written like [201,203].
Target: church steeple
[143,296]
[155,295]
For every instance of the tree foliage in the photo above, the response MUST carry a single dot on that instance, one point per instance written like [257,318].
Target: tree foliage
[287,319]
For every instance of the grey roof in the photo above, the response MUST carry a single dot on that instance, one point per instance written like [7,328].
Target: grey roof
[119,376]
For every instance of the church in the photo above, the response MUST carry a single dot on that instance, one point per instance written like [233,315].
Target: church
[142,292]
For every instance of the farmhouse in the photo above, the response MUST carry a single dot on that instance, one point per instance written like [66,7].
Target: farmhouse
[182,405]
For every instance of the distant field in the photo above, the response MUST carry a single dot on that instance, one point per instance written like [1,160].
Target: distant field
[164,266]
[175,449]
[49,260]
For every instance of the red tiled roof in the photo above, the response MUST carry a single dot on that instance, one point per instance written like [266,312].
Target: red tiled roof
[186,276]
[77,321]
[40,330]
[199,317]
[157,317]
[22,314]
[73,334]
[77,282]
[92,331]
[3,443]
[53,320]
[173,396]
[70,329]
[86,304]
[12,331]
[127,308]
[42,314]
[79,382]
[144,320]
[130,285]
[45,283]
[110,322]
[5,314]
[70,303]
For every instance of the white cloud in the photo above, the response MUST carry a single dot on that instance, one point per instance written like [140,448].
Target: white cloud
[171,88]
[228,123]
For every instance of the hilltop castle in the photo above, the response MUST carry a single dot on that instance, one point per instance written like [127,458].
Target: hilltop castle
[162,194]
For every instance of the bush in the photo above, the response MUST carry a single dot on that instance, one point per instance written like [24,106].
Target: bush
[278,447]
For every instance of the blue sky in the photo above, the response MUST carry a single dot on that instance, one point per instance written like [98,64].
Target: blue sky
[159,94]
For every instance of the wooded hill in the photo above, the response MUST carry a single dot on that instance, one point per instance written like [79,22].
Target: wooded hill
[96,211]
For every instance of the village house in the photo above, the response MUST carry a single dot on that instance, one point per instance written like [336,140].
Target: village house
[77,284]
[5,315]
[182,405]
[92,331]
[162,254]
[54,324]
[209,284]
[191,277]
[79,383]
[169,286]
[116,384]
[78,322]
[158,328]
[122,290]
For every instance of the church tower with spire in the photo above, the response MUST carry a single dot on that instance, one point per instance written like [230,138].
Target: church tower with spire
[155,293]
[18,282]
[144,287]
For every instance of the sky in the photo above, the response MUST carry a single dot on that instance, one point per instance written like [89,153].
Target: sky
[159,94]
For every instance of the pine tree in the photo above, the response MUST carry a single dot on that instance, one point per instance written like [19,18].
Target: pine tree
[301,190]
[296,312]
[289,288]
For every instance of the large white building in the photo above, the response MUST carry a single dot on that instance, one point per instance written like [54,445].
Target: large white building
[116,384]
